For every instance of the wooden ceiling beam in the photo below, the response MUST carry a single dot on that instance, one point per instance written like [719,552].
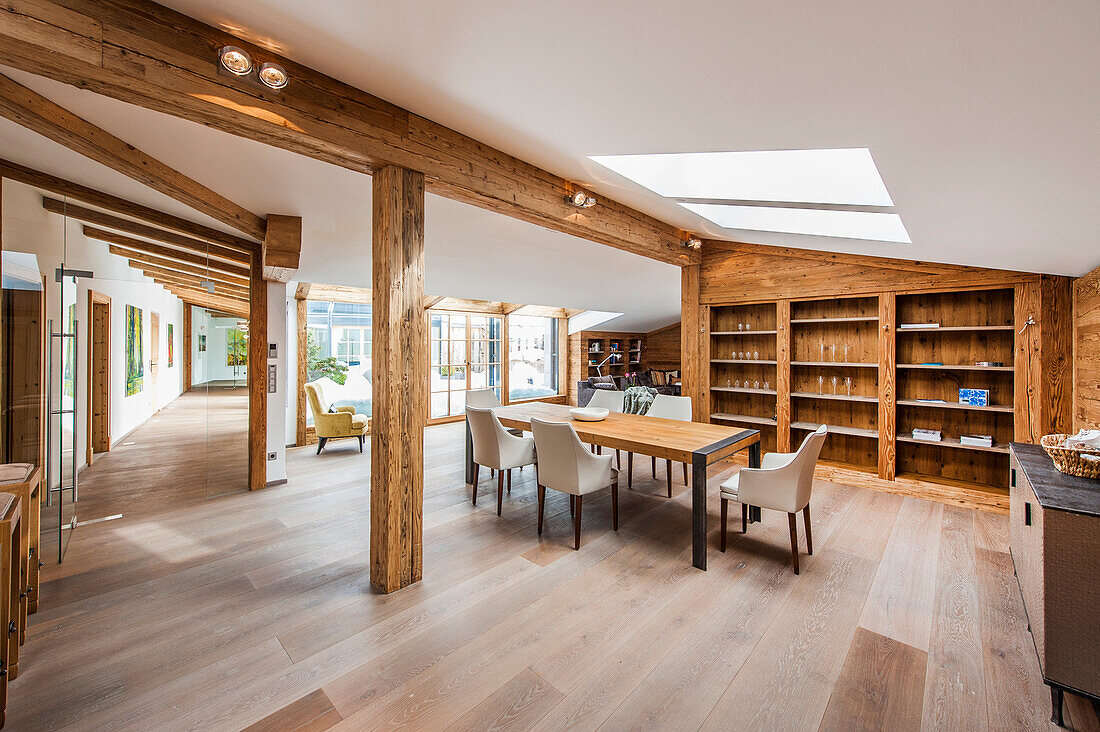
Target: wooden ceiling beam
[166,282]
[430,301]
[282,247]
[114,204]
[89,216]
[238,303]
[170,265]
[37,113]
[145,54]
[131,247]
[198,299]
[187,279]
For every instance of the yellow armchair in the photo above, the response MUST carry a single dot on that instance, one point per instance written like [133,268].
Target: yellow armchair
[344,422]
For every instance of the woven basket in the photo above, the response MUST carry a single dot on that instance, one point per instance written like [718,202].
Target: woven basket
[1072,460]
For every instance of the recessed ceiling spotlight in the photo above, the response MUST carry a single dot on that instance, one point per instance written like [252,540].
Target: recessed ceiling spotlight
[693,242]
[273,75]
[580,199]
[235,60]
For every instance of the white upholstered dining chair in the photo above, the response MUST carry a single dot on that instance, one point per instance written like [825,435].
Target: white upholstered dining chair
[487,399]
[566,465]
[494,447]
[612,401]
[665,407]
[783,482]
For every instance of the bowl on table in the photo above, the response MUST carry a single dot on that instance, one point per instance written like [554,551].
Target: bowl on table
[589,414]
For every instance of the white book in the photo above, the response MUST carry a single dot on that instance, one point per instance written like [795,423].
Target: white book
[908,326]
[976,440]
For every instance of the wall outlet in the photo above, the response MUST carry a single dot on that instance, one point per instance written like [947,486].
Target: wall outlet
[272,455]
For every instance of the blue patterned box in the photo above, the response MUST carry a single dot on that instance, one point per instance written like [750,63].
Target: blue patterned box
[974,397]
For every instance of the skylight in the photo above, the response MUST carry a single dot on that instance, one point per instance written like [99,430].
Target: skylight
[839,176]
[816,222]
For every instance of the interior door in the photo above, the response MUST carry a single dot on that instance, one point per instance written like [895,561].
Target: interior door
[154,353]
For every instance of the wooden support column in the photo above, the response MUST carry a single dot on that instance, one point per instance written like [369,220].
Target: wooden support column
[693,383]
[186,347]
[303,374]
[887,386]
[783,376]
[1027,361]
[257,377]
[1056,363]
[505,348]
[400,360]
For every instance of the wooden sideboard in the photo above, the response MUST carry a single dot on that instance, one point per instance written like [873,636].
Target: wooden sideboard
[1054,536]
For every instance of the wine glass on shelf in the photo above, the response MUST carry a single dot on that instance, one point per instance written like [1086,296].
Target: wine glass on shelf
[756,355]
[822,356]
[834,385]
[727,383]
[748,326]
[737,384]
[848,384]
[833,349]
[765,386]
[820,384]
[756,385]
[740,326]
[740,356]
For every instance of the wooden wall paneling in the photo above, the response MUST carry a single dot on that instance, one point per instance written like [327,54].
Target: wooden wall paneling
[400,379]
[187,348]
[23,375]
[691,344]
[121,50]
[1056,360]
[303,374]
[578,366]
[257,377]
[783,376]
[1027,360]
[1086,351]
[662,348]
[887,386]
[38,114]
[99,375]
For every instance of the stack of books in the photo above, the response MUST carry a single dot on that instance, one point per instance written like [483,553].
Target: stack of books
[928,435]
[977,440]
[909,326]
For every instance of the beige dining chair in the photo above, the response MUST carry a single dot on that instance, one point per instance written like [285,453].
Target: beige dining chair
[495,448]
[566,465]
[612,401]
[488,399]
[665,407]
[783,482]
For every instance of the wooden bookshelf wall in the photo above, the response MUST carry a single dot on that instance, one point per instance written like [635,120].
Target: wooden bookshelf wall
[628,347]
[784,367]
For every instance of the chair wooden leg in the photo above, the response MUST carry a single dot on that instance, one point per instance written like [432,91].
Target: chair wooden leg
[572,505]
[542,505]
[653,464]
[630,471]
[809,537]
[668,476]
[477,469]
[615,505]
[361,444]
[500,491]
[618,461]
[599,449]
[685,473]
[577,525]
[509,481]
[725,508]
[744,518]
[321,444]
[794,541]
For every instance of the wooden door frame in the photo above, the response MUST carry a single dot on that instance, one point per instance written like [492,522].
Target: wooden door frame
[97,298]
[431,421]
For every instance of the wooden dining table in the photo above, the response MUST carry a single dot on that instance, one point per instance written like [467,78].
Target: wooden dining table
[697,443]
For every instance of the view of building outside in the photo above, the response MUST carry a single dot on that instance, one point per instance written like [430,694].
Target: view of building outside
[532,357]
[338,353]
[465,354]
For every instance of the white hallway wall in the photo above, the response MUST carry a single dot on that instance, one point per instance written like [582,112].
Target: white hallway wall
[27,227]
[212,364]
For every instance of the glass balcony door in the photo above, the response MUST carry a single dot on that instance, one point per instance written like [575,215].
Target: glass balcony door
[466,353]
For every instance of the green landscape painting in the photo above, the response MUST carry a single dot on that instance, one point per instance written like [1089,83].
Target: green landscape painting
[171,347]
[135,357]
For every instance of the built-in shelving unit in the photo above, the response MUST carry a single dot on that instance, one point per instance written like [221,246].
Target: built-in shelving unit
[629,352]
[743,362]
[956,331]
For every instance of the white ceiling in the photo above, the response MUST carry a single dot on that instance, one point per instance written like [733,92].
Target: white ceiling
[982,118]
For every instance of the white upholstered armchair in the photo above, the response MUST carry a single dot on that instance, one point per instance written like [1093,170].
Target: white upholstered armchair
[783,482]
[496,448]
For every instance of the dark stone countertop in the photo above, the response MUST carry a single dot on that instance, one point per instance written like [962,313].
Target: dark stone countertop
[1056,490]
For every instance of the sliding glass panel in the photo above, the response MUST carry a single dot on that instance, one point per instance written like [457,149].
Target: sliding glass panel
[532,357]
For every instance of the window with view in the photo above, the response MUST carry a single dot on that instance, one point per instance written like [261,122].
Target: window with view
[532,357]
[338,353]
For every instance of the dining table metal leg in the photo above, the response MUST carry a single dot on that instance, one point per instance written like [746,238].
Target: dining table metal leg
[469,454]
[699,510]
[754,462]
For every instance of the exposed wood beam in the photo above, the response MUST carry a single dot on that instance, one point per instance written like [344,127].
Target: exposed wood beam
[204,299]
[302,293]
[430,301]
[120,206]
[143,259]
[282,247]
[167,282]
[37,113]
[333,293]
[400,372]
[158,274]
[508,308]
[89,216]
[145,54]
[139,246]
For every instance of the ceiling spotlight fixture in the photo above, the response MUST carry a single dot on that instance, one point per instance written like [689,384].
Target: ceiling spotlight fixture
[235,60]
[580,199]
[273,75]
[693,242]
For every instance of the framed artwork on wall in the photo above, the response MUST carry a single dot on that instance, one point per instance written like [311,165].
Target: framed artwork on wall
[202,343]
[236,348]
[171,346]
[135,356]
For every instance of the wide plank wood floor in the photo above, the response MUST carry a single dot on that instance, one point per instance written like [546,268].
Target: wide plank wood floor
[255,611]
